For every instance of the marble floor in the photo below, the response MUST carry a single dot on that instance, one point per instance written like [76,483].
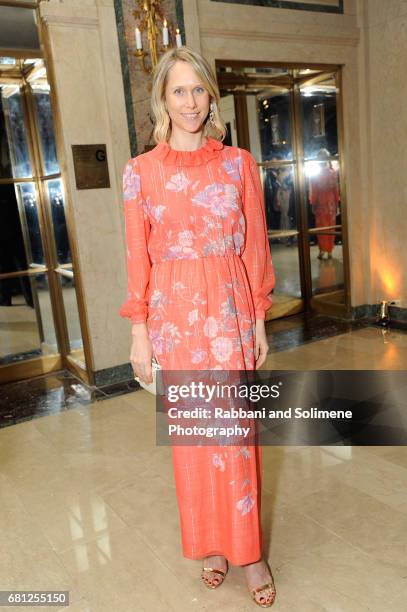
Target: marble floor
[88,503]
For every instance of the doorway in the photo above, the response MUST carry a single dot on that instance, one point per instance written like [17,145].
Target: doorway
[290,118]
[40,326]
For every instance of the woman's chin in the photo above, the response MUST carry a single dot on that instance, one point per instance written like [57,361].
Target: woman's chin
[191,128]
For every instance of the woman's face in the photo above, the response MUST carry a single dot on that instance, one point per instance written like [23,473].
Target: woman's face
[186,98]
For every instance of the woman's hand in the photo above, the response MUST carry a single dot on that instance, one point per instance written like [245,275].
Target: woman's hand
[261,347]
[141,353]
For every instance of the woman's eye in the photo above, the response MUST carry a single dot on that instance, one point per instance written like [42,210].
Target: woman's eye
[200,89]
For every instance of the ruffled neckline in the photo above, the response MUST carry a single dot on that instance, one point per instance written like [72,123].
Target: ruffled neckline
[170,156]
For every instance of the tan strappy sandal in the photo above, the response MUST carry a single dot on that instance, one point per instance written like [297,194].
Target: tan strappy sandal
[219,577]
[264,592]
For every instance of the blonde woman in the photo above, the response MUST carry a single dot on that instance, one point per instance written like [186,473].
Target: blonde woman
[200,278]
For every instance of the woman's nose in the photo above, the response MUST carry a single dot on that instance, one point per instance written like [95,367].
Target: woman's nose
[191,100]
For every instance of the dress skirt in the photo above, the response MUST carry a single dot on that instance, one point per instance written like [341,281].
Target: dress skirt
[218,487]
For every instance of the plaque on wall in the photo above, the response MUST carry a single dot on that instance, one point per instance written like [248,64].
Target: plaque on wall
[90,165]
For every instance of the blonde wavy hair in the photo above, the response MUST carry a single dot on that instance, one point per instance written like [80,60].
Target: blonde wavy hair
[162,127]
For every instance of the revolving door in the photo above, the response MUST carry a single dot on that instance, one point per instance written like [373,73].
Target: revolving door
[289,118]
[40,324]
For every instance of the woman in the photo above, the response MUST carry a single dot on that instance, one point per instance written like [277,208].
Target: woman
[324,198]
[199,282]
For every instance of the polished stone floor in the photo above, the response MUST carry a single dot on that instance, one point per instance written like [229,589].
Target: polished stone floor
[22,401]
[88,501]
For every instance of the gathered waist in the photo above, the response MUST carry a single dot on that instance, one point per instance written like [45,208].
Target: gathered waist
[198,257]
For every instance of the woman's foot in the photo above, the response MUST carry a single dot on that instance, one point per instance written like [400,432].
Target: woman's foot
[260,582]
[214,571]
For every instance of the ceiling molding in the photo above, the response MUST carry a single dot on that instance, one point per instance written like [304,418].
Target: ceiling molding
[351,41]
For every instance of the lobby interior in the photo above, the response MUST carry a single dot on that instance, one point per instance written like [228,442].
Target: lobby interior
[88,497]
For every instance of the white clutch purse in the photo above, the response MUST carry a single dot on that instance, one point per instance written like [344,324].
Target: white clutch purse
[155,387]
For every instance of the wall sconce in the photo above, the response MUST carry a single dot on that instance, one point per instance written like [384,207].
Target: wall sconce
[148,17]
[383,317]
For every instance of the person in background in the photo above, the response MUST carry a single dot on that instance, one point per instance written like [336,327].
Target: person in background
[324,199]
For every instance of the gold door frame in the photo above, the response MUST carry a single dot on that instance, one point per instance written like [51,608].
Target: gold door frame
[308,302]
[66,357]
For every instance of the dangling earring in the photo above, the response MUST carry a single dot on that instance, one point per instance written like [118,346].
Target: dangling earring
[212,116]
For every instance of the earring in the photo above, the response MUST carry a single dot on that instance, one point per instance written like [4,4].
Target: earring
[212,115]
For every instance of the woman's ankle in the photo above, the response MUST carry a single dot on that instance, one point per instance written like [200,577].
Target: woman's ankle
[252,563]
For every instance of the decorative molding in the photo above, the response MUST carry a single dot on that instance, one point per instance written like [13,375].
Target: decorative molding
[278,37]
[287,4]
[70,21]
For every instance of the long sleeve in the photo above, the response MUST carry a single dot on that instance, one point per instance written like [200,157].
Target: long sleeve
[256,255]
[137,232]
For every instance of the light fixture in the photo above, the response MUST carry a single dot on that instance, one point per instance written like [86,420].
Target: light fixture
[148,17]
[383,317]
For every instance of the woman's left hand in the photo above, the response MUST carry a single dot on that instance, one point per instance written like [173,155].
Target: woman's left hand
[261,347]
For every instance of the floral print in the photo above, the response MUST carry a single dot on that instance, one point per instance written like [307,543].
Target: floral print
[131,183]
[178,182]
[233,167]
[200,274]
[245,504]
[222,348]
[220,199]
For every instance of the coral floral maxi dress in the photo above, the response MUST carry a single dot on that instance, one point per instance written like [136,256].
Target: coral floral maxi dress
[200,273]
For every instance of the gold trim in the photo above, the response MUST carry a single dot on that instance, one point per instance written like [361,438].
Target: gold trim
[343,192]
[274,164]
[315,230]
[287,308]
[27,272]
[14,4]
[30,368]
[282,233]
[77,368]
[63,164]
[21,53]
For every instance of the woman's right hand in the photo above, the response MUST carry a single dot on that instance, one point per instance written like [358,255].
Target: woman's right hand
[141,353]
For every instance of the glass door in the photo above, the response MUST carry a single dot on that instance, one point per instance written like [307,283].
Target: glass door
[319,147]
[277,161]
[288,118]
[40,327]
